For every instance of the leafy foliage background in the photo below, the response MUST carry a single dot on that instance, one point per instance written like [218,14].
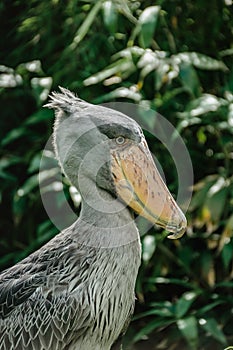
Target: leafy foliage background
[173,56]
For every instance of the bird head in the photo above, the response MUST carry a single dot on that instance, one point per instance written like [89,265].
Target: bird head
[104,151]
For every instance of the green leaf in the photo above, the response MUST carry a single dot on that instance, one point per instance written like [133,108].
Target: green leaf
[133,51]
[9,161]
[120,66]
[228,231]
[200,195]
[211,326]
[190,79]
[202,105]
[227,284]
[85,26]
[146,25]
[216,199]
[121,92]
[150,327]
[184,303]
[203,310]
[189,330]
[161,74]
[148,62]
[201,135]
[39,116]
[32,67]
[9,77]
[7,176]
[31,183]
[13,135]
[35,163]
[163,280]
[41,87]
[110,16]
[201,61]
[163,312]
[227,254]
[123,8]
[148,247]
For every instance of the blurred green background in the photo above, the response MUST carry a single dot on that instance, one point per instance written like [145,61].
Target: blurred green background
[173,56]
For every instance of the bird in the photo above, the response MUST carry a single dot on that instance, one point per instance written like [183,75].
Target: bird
[77,292]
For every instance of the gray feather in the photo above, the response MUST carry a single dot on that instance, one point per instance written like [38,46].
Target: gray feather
[77,291]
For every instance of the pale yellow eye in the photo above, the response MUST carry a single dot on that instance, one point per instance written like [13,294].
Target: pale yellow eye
[120,140]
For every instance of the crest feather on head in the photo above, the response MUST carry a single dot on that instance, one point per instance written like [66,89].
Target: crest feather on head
[65,101]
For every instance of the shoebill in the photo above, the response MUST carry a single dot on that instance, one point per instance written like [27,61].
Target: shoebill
[77,291]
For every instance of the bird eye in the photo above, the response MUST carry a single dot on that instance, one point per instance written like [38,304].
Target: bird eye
[120,140]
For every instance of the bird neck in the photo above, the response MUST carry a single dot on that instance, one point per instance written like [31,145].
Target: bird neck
[107,222]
